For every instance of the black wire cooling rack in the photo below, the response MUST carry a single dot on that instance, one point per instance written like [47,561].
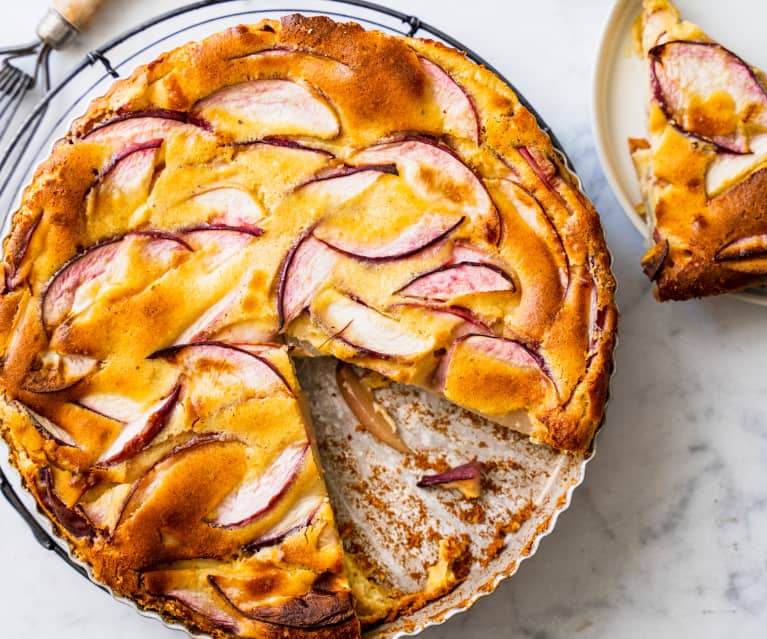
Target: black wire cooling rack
[91,77]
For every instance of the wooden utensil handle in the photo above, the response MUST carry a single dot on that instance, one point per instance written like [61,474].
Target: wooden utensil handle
[77,12]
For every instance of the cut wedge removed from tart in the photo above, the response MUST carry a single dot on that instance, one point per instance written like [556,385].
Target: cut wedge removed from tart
[703,167]
[273,190]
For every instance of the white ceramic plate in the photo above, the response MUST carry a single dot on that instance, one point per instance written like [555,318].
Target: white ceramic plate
[619,86]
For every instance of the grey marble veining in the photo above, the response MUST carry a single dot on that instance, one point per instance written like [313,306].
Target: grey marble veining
[668,535]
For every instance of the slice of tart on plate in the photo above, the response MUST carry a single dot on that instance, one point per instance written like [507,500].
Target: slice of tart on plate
[703,168]
[270,192]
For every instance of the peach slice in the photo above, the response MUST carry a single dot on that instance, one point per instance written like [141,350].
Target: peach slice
[53,372]
[427,231]
[459,111]
[49,429]
[369,331]
[95,266]
[264,108]
[205,604]
[347,182]
[136,128]
[232,207]
[466,478]
[506,351]
[137,434]
[453,280]
[70,518]
[229,363]
[437,174]
[260,494]
[130,170]
[298,518]
[707,91]
[305,268]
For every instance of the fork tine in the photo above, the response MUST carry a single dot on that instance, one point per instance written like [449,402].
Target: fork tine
[4,96]
[9,76]
[14,94]
[16,98]
[11,91]
[6,75]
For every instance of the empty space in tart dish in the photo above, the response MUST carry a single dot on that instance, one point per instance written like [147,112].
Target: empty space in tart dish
[405,545]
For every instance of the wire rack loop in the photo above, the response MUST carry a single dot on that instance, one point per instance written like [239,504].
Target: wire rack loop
[96,56]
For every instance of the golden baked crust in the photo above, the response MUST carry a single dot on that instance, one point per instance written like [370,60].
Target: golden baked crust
[702,173]
[206,212]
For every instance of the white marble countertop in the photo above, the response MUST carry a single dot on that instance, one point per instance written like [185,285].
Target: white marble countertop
[668,535]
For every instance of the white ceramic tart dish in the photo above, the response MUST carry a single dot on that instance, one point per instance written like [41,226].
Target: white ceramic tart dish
[270,194]
[703,226]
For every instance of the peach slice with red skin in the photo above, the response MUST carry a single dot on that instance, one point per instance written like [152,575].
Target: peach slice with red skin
[435,172]
[217,244]
[460,114]
[507,351]
[227,240]
[746,254]
[127,180]
[273,107]
[543,168]
[60,294]
[135,128]
[304,269]
[682,72]
[347,182]
[202,602]
[300,516]
[746,248]
[259,495]
[216,323]
[205,605]
[137,434]
[53,372]
[467,253]
[104,511]
[71,519]
[466,321]
[430,229]
[231,207]
[112,406]
[286,143]
[205,601]
[454,280]
[471,324]
[369,331]
[251,369]
[466,478]
[372,416]
[17,247]
[142,490]
[49,429]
